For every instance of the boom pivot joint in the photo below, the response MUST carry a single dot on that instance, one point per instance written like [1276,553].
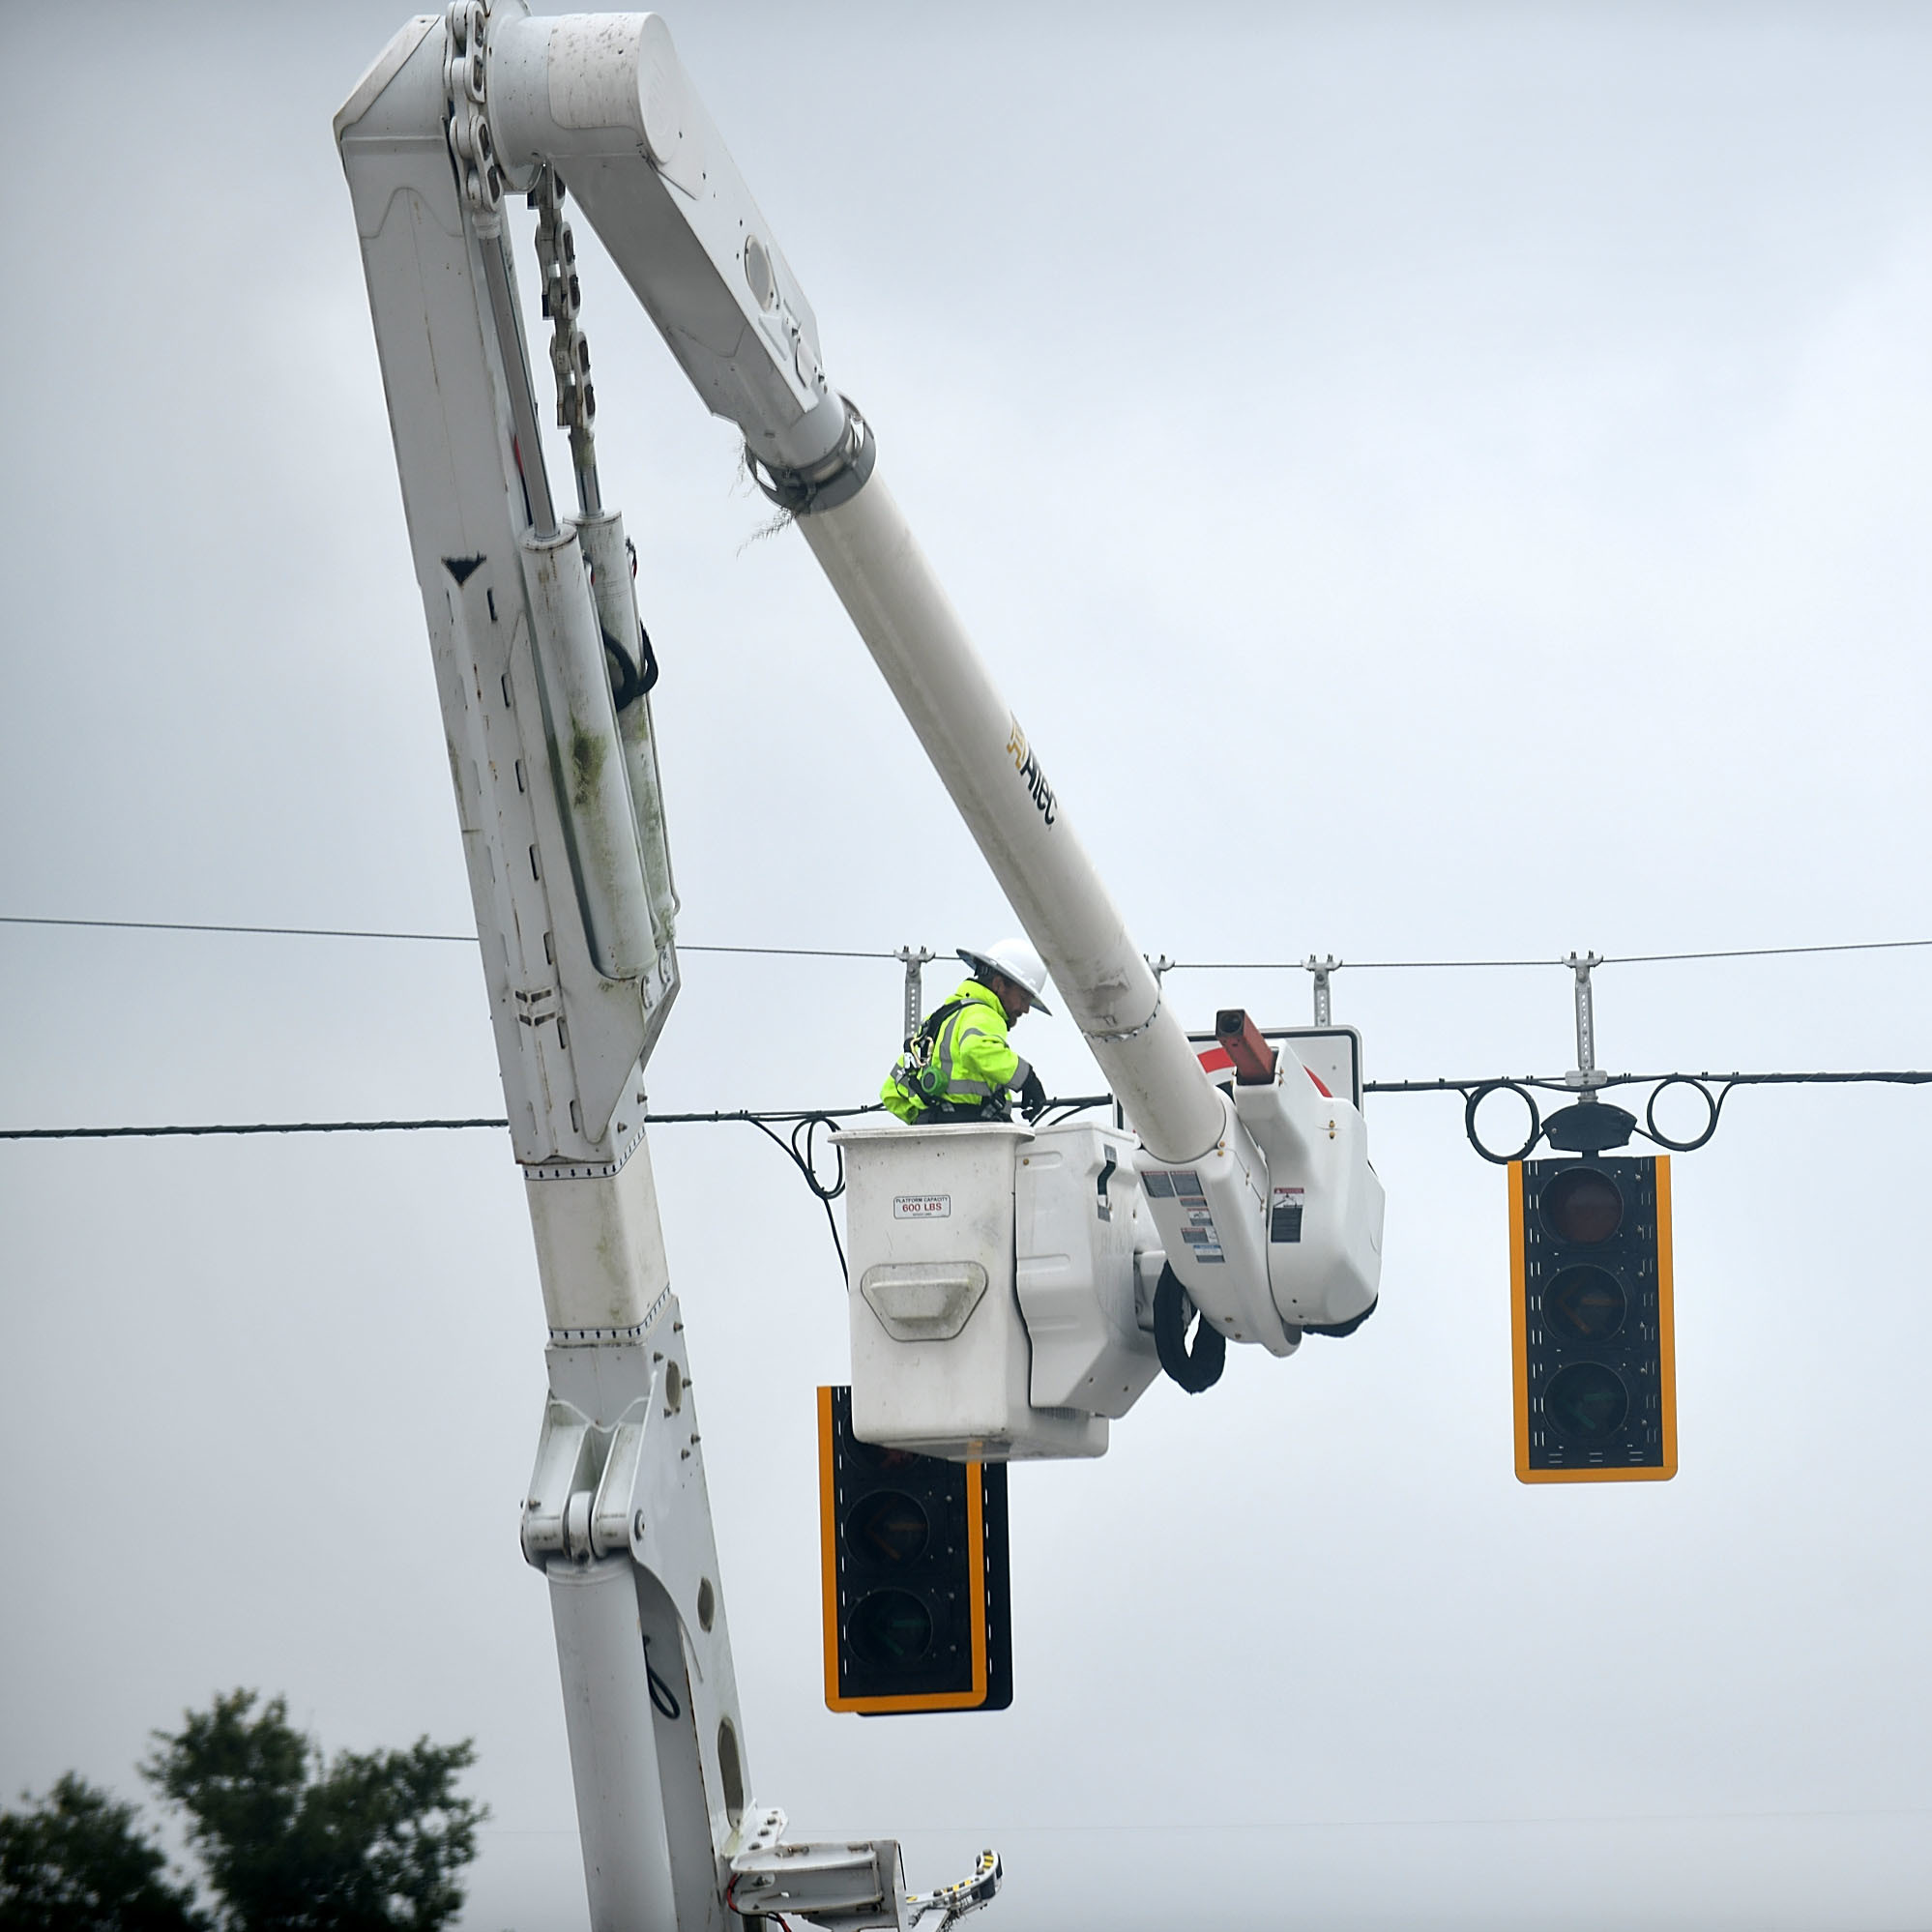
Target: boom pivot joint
[835,477]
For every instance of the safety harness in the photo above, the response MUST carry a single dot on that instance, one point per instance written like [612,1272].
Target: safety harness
[918,1075]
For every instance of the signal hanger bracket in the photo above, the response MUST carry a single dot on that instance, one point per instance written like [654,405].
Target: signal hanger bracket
[1590,1127]
[1587,1124]
[1587,1075]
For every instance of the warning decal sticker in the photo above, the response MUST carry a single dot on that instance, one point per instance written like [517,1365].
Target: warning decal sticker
[1197,1222]
[1284,1213]
[921,1207]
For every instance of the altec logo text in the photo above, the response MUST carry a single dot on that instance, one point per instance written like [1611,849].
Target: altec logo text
[1031,776]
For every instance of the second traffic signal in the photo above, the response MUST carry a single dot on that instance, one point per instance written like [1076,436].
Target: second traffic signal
[1590,1318]
[917,1591]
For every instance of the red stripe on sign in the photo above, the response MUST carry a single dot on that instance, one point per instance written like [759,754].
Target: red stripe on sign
[1317,1079]
[1217,1060]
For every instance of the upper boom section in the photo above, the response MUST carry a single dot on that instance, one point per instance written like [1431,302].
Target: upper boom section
[550,781]
[556,778]
[605,99]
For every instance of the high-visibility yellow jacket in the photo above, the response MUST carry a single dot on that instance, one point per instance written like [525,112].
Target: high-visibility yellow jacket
[958,1062]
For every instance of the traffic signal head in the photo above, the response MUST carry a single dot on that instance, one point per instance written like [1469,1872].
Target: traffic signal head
[914,1556]
[1590,1318]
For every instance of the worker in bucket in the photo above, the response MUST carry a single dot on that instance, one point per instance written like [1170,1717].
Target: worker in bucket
[958,1066]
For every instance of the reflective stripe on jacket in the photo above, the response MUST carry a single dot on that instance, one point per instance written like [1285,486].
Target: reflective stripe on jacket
[969,1066]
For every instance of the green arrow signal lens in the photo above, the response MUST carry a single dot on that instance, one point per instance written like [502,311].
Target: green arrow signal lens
[891,1626]
[1586,1401]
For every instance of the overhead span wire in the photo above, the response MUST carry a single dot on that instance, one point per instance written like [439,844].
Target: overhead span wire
[274,931]
[361,932]
[248,1126]
[810,1118]
[859,952]
[1477,965]
[795,1117]
[1764,952]
[800,1145]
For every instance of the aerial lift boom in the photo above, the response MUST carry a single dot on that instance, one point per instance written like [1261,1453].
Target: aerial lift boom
[543,674]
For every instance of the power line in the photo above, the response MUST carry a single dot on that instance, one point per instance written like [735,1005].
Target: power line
[1558,1084]
[790,951]
[1339,965]
[360,932]
[251,1126]
[1070,1104]
[1468,965]
[852,953]
[1766,952]
[274,931]
[798,1117]
[792,1116]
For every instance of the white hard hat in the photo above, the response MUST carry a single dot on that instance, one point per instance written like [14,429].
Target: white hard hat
[1015,961]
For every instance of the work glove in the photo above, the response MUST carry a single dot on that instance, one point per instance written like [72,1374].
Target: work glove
[1032,1095]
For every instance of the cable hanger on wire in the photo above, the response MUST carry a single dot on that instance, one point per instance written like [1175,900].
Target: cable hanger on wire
[1589,1125]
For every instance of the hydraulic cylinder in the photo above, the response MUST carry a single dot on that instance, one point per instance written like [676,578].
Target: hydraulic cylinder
[588,757]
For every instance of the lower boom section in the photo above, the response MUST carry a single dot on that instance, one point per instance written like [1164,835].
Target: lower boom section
[607,1706]
[618,1519]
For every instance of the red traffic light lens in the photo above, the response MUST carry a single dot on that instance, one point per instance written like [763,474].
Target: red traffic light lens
[891,1626]
[1583,1205]
[1585,1304]
[886,1530]
[1586,1401]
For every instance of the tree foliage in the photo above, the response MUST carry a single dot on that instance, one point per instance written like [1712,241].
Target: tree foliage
[364,1842]
[77,1862]
[289,1840]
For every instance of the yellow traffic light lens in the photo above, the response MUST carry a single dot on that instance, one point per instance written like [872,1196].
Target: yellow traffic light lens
[1583,1205]
[885,1530]
[889,1626]
[1585,1304]
[1586,1401]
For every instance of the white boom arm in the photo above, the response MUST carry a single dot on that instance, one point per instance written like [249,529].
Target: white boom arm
[605,98]
[556,791]
[1257,1200]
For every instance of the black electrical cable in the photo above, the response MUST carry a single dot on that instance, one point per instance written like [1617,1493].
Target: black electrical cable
[627,685]
[1197,1368]
[1475,1092]
[1194,1369]
[1714,1105]
[800,1147]
[1557,1083]
[780,1115]
[663,1699]
[790,951]
[1057,1110]
[251,1126]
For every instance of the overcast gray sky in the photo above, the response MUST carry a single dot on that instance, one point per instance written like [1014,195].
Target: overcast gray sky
[1436,482]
